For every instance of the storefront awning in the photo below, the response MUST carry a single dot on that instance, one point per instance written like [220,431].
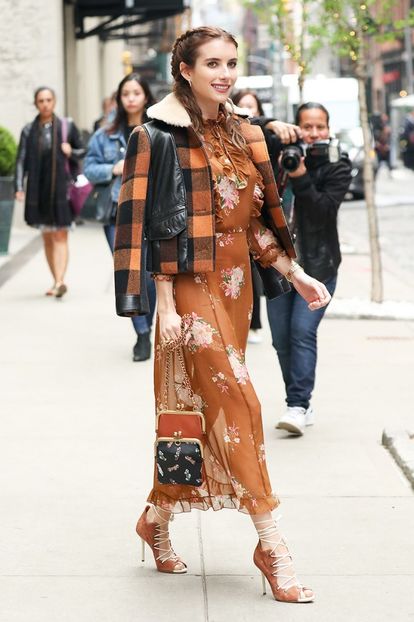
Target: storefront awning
[120,16]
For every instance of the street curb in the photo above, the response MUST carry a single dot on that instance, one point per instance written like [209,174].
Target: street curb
[400,444]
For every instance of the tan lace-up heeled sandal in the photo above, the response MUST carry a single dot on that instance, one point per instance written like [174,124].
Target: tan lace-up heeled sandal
[156,535]
[273,566]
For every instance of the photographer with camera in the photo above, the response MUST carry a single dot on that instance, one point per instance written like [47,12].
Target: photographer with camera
[319,176]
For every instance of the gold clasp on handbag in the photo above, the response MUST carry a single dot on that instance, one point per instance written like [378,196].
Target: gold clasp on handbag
[178,435]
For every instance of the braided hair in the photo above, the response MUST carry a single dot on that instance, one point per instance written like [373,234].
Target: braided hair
[185,50]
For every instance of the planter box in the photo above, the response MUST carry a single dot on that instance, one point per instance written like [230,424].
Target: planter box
[6,212]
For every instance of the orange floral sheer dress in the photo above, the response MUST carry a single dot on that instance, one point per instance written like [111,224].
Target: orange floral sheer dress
[220,304]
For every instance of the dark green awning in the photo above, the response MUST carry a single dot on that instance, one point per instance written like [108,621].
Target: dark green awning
[121,15]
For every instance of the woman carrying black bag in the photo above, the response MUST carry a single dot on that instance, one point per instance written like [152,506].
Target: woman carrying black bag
[103,167]
[42,158]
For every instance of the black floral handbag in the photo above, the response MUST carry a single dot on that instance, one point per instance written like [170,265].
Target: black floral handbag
[180,433]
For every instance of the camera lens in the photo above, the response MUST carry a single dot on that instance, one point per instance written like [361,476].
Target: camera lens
[291,158]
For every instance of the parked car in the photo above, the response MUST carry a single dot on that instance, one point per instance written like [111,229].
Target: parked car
[352,142]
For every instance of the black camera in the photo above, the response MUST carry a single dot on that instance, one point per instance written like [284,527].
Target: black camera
[324,150]
[316,154]
[291,155]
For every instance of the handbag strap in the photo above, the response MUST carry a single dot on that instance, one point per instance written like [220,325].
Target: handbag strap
[64,123]
[176,345]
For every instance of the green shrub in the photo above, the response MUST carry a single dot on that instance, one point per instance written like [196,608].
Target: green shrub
[8,152]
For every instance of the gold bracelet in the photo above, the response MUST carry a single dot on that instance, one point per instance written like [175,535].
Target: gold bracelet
[162,277]
[292,270]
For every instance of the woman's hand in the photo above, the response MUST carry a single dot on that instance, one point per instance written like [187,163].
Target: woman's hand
[67,149]
[19,196]
[311,290]
[118,167]
[170,325]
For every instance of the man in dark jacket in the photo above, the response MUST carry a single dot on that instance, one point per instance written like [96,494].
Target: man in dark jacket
[319,185]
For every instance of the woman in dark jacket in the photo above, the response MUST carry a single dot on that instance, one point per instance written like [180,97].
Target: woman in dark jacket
[104,163]
[49,148]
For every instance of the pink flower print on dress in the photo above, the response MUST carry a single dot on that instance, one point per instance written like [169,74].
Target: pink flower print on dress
[184,396]
[264,237]
[224,239]
[201,335]
[227,188]
[261,454]
[220,380]
[238,365]
[232,281]
[239,490]
[231,436]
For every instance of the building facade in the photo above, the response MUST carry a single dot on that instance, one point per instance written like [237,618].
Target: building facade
[38,46]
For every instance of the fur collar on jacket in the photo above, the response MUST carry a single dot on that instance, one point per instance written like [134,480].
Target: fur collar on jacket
[170,110]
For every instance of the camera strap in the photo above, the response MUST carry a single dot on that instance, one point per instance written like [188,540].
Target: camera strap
[282,181]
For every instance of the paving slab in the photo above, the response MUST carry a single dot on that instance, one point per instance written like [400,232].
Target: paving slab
[138,598]
[349,598]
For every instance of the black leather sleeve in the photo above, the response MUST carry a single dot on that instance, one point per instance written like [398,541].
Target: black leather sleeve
[21,160]
[75,140]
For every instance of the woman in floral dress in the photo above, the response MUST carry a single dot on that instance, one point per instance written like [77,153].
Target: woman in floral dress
[228,182]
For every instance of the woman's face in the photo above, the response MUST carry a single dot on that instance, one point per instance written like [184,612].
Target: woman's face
[249,101]
[314,125]
[214,72]
[45,103]
[133,97]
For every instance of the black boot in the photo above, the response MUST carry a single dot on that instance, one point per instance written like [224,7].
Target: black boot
[142,348]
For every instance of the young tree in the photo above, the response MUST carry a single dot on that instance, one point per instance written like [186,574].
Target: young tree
[290,22]
[349,27]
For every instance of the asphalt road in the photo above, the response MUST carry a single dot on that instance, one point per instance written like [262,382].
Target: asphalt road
[395,210]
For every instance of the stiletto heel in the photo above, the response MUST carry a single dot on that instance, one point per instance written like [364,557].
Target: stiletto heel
[275,560]
[156,536]
[143,550]
[263,584]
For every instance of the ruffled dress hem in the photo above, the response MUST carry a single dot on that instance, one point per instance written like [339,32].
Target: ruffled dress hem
[214,502]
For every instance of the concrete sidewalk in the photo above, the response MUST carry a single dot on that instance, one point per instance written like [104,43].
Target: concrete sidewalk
[76,465]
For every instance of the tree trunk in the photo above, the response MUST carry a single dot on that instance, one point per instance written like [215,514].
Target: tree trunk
[369,189]
[301,82]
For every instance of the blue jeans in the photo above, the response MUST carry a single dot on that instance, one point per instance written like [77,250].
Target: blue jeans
[294,330]
[142,323]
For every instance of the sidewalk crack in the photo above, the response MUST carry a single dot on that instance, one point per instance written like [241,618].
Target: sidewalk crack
[203,568]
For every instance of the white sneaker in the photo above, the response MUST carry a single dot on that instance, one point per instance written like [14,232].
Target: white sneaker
[254,336]
[309,416]
[293,421]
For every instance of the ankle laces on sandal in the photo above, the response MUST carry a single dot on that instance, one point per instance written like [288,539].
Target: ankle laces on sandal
[161,537]
[267,535]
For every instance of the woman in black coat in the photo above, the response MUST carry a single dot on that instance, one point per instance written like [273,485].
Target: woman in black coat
[49,149]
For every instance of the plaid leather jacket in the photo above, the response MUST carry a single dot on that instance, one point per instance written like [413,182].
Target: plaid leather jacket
[166,203]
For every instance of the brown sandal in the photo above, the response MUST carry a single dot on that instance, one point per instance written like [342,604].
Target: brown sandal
[156,534]
[60,290]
